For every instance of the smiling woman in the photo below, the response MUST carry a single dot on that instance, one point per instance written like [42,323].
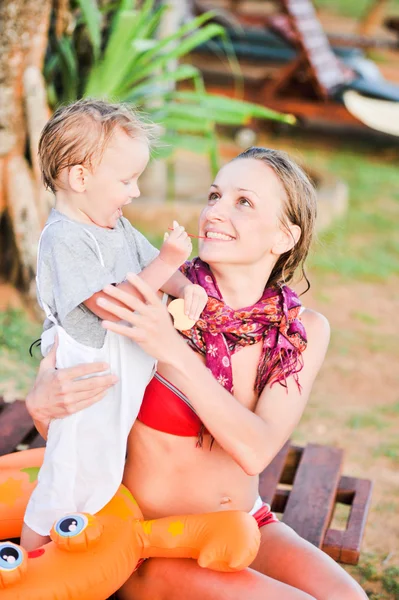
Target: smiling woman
[221,406]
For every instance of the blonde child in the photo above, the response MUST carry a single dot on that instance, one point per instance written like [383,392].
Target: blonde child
[92,154]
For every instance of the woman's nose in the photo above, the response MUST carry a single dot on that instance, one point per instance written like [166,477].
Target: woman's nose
[217,212]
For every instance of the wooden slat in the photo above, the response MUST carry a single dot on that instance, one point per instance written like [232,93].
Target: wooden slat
[327,70]
[291,464]
[311,501]
[344,546]
[37,442]
[15,425]
[280,500]
[271,476]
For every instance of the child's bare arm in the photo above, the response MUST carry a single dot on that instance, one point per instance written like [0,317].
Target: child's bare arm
[161,273]
[195,297]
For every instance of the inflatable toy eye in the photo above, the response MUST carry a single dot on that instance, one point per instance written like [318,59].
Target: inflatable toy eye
[71,525]
[13,563]
[76,531]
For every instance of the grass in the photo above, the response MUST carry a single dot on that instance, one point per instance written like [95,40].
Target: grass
[375,572]
[390,409]
[389,449]
[365,420]
[17,367]
[365,318]
[353,8]
[364,244]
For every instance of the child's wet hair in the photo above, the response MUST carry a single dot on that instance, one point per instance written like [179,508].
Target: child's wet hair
[78,133]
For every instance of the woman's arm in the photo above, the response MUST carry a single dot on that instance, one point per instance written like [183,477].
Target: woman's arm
[58,393]
[252,439]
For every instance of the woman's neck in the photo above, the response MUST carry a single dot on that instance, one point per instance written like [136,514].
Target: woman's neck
[240,285]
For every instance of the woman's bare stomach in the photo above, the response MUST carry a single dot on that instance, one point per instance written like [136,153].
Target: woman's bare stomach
[169,475]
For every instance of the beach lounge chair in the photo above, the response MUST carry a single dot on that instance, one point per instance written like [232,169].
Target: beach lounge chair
[295,70]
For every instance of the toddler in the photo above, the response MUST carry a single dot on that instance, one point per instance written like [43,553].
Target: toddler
[92,154]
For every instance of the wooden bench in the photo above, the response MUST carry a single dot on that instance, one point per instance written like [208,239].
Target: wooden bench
[303,485]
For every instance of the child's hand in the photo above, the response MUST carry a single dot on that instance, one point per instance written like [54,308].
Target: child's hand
[177,246]
[195,299]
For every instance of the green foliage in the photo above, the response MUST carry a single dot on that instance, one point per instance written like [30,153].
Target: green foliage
[16,332]
[368,570]
[17,367]
[372,569]
[129,63]
[390,581]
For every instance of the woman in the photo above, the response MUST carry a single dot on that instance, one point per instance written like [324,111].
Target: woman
[200,443]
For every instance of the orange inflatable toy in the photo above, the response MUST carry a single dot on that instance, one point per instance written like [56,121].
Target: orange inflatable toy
[91,556]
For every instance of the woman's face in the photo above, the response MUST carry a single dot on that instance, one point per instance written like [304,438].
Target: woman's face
[241,221]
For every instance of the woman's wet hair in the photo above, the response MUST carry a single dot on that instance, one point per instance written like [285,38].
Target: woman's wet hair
[299,208]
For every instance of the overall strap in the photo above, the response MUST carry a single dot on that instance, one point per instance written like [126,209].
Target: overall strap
[100,256]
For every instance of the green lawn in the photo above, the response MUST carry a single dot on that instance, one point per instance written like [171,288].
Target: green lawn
[354,8]
[17,367]
[364,244]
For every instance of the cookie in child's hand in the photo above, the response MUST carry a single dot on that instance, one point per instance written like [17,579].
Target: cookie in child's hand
[180,320]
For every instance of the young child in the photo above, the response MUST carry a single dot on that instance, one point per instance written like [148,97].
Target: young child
[92,154]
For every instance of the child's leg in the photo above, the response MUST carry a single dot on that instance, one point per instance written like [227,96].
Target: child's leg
[30,540]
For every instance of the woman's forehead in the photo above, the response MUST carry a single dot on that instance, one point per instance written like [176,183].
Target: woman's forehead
[248,173]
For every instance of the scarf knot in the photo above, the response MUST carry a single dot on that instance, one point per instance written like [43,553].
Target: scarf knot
[221,331]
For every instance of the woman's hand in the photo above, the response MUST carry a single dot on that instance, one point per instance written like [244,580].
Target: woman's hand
[58,392]
[149,323]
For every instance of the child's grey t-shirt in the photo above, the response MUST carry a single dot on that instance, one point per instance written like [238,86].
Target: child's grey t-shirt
[70,269]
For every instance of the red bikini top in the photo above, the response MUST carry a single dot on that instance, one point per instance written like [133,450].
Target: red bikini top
[165,408]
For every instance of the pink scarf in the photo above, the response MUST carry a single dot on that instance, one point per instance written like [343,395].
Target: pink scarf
[221,331]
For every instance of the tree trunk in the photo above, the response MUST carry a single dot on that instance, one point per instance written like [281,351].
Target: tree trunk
[23,111]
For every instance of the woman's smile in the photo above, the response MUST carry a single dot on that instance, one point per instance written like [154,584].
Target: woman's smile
[212,235]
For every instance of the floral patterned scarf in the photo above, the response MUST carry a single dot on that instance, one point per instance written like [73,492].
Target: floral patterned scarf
[221,331]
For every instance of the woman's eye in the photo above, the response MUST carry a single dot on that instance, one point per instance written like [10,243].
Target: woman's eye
[212,196]
[244,202]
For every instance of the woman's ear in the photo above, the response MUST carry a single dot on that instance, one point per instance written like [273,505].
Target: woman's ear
[77,178]
[287,238]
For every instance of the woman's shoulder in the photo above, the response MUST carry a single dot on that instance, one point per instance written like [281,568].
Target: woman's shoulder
[317,327]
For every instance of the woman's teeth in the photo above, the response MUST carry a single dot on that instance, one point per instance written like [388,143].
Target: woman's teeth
[218,236]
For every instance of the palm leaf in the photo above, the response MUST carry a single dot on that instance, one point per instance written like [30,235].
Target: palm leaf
[92,18]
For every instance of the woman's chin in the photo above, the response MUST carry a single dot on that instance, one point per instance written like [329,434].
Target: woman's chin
[208,253]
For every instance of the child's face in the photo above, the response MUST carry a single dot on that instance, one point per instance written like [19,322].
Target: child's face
[114,181]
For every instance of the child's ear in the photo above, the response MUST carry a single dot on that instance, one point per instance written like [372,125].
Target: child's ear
[287,238]
[77,178]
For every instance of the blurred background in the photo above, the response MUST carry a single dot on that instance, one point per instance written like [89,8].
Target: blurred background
[318,79]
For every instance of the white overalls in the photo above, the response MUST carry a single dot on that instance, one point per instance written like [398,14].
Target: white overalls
[85,452]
